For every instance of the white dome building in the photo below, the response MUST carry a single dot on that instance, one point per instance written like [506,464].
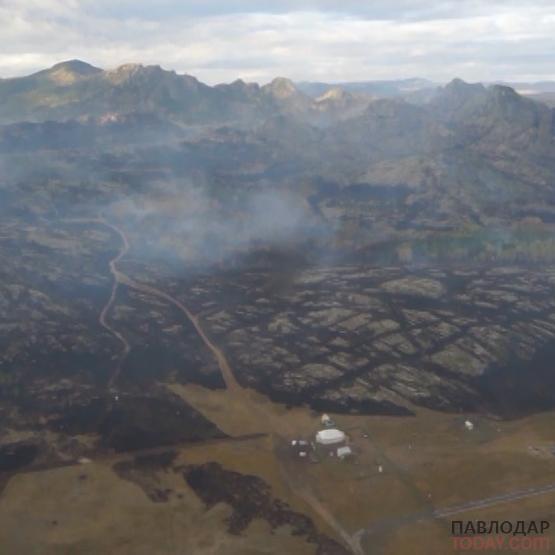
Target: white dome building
[330,437]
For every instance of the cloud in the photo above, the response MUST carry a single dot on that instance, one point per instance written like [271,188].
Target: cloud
[302,39]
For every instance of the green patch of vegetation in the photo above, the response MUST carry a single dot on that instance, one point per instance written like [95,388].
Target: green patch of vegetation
[476,244]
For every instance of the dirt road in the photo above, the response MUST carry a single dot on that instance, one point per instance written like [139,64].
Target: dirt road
[103,319]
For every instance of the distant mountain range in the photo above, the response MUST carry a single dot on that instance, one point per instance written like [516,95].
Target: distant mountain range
[75,89]
[384,89]
[376,162]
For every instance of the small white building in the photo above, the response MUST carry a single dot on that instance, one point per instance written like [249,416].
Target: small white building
[343,452]
[330,436]
[327,422]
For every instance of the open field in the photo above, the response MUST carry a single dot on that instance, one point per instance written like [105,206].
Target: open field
[430,462]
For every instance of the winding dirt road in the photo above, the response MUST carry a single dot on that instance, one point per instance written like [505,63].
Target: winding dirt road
[121,278]
[103,319]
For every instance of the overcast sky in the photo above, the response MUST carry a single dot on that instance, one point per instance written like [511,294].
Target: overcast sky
[328,40]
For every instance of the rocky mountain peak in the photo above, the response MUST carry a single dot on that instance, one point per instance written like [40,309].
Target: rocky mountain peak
[460,88]
[70,71]
[457,97]
[503,92]
[129,68]
[150,73]
[519,113]
[76,66]
[239,84]
[281,87]
[333,94]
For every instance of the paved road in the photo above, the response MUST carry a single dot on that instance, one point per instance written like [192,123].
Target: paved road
[494,500]
[441,513]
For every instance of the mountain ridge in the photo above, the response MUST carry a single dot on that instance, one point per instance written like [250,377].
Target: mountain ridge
[457,152]
[73,89]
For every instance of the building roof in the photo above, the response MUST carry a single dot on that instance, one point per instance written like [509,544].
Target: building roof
[344,451]
[330,435]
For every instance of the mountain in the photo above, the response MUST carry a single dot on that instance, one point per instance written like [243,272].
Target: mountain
[75,89]
[282,94]
[338,104]
[89,132]
[499,124]
[446,159]
[383,89]
[392,128]
[421,91]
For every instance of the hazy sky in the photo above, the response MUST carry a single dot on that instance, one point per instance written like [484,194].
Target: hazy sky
[332,40]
